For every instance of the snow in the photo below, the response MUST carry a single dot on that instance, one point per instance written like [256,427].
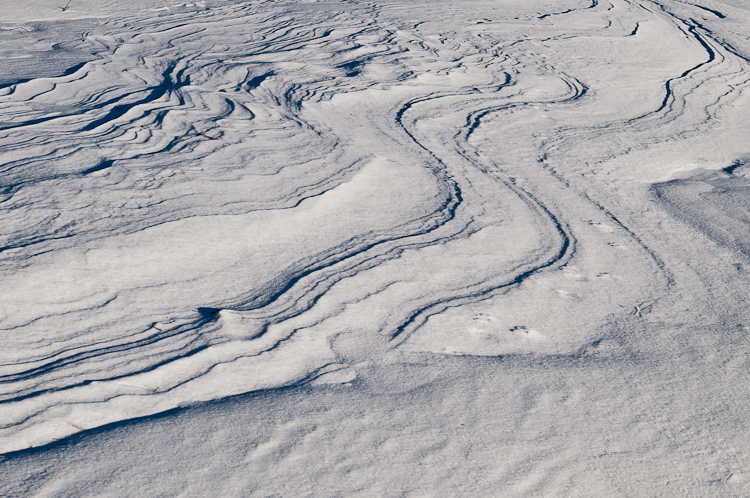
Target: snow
[392,248]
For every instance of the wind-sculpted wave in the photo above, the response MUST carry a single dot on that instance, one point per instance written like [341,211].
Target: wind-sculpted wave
[189,215]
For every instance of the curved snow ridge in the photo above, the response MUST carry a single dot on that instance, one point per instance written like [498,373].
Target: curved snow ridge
[555,243]
[709,75]
[234,235]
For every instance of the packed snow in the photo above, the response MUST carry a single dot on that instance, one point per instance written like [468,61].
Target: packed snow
[375,248]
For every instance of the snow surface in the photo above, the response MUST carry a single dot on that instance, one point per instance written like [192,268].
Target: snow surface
[375,248]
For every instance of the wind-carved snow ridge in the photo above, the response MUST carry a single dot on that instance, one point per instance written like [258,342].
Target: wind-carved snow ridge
[192,215]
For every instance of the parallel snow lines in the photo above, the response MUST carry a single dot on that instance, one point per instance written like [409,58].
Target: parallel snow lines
[559,252]
[74,364]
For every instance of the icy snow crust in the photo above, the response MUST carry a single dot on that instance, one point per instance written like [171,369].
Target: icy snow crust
[439,248]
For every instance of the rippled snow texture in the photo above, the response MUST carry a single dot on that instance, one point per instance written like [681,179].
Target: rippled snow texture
[204,199]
